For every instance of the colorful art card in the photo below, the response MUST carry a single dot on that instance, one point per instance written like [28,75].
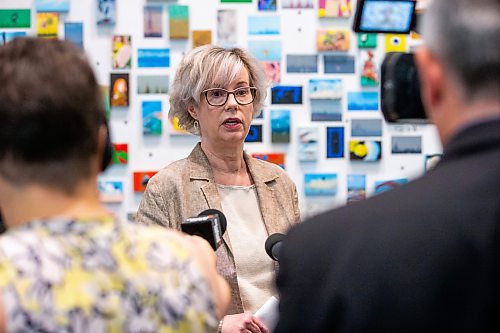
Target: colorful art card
[339,64]
[152,117]
[141,179]
[297,4]
[365,150]
[334,8]
[73,32]
[15,18]
[264,25]
[367,41]
[332,39]
[175,129]
[386,185]
[265,50]
[106,12]
[298,63]
[320,184]
[356,188]
[201,37]
[47,25]
[119,94]
[308,146]
[7,36]
[326,109]
[395,43]
[326,89]
[431,161]
[122,52]
[273,71]
[178,18]
[362,101]
[153,58]
[406,145]
[369,69]
[120,153]
[152,84]
[266,5]
[110,191]
[334,142]
[227,27]
[254,134]
[153,23]
[275,158]
[286,95]
[366,127]
[280,126]
[59,6]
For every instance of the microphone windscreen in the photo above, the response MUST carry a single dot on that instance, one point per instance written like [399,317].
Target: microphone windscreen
[222,218]
[271,242]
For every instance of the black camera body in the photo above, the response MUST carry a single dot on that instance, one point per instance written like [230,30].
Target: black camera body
[400,90]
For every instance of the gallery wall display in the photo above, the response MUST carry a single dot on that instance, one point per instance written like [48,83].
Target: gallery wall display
[321,119]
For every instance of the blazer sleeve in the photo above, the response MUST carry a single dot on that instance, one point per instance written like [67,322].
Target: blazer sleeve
[152,206]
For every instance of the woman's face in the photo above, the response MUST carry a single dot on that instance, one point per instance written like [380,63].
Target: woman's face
[229,123]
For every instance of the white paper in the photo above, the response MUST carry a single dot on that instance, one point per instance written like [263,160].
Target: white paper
[268,313]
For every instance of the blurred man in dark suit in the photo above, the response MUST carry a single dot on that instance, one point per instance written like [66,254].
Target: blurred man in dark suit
[424,257]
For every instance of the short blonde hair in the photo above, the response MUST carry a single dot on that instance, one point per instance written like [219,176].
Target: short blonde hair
[208,67]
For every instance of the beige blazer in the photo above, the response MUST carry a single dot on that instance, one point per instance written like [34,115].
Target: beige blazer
[186,187]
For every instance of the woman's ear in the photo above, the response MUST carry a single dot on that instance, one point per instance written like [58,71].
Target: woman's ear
[192,111]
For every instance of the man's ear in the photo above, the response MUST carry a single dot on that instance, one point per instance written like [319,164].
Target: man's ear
[193,111]
[432,79]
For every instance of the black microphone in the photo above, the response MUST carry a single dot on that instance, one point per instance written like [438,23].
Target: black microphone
[209,225]
[273,245]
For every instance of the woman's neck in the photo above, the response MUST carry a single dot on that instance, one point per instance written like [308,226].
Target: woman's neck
[228,164]
[22,205]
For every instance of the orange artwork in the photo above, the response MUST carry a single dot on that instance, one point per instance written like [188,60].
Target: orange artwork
[332,40]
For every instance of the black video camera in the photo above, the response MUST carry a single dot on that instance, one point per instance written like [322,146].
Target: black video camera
[400,96]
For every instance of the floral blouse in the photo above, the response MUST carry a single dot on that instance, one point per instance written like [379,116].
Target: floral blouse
[101,276]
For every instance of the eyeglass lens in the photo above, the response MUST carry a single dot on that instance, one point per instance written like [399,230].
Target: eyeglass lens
[218,97]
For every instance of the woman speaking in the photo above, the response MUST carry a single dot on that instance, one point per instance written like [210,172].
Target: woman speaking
[215,94]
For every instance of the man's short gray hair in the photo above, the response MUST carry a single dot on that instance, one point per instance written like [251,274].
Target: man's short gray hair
[465,35]
[207,67]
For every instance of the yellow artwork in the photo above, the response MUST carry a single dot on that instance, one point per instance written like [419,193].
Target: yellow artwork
[333,40]
[201,37]
[395,43]
[175,128]
[47,24]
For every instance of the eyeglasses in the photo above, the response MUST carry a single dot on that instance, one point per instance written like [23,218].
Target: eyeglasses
[219,96]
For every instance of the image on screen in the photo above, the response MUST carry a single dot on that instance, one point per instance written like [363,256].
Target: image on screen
[387,16]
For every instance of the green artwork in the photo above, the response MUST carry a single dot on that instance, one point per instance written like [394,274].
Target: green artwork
[15,18]
[178,12]
[367,41]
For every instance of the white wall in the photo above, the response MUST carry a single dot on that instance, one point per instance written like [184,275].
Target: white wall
[298,29]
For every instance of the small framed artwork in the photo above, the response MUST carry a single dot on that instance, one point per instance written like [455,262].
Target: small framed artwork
[266,5]
[339,64]
[273,71]
[47,25]
[227,27]
[296,63]
[265,50]
[332,40]
[356,188]
[431,161]
[254,134]
[280,126]
[334,8]
[73,32]
[308,146]
[122,52]
[320,184]
[275,158]
[386,185]
[153,24]
[334,142]
[152,84]
[286,95]
[119,94]
[178,19]
[367,41]
[362,101]
[365,150]
[406,145]
[141,179]
[297,4]
[369,69]
[264,25]
[366,127]
[106,12]
[201,37]
[152,58]
[120,153]
[152,117]
[110,191]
